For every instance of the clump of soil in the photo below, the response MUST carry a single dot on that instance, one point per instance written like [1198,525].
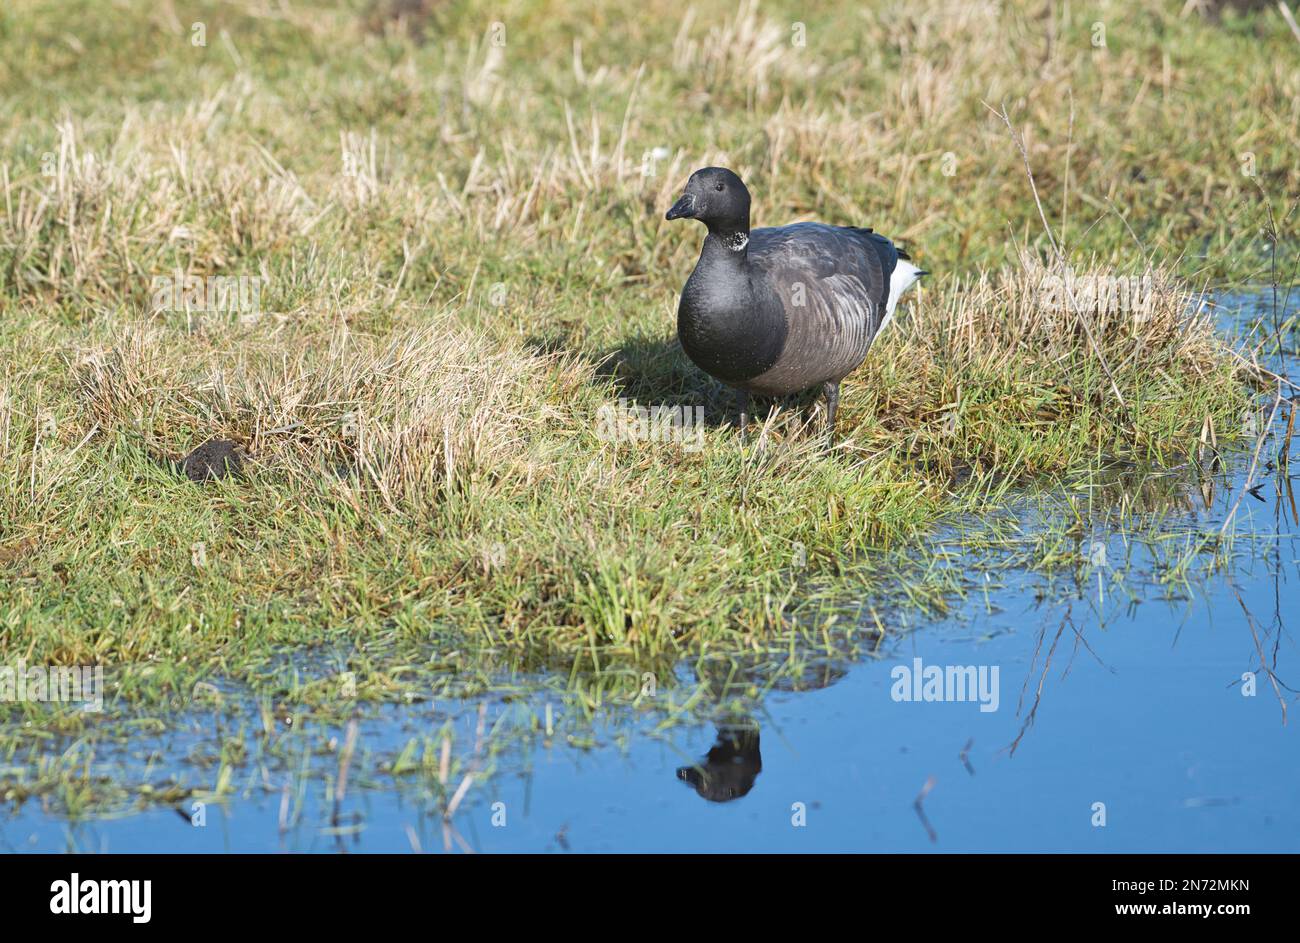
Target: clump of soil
[216,458]
[1214,8]
[415,16]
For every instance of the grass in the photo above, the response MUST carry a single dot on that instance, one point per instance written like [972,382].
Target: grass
[461,259]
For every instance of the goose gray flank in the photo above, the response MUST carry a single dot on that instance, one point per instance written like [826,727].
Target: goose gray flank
[785,309]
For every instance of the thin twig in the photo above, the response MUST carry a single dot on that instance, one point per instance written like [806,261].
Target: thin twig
[1060,257]
[1254,461]
[918,805]
[1290,20]
[1263,661]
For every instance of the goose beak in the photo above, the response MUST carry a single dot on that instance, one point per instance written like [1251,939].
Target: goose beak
[683,208]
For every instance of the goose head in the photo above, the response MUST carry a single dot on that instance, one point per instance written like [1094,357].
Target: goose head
[717,198]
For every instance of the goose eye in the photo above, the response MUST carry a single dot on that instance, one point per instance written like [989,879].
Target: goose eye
[719,187]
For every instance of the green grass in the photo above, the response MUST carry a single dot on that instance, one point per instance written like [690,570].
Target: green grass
[446,310]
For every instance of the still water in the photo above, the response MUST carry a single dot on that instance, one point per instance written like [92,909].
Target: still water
[1125,706]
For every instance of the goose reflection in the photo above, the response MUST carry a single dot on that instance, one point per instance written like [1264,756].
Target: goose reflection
[728,770]
[730,767]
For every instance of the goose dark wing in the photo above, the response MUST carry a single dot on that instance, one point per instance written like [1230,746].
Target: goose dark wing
[832,282]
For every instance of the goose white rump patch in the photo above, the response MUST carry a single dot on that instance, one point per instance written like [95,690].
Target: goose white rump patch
[904,276]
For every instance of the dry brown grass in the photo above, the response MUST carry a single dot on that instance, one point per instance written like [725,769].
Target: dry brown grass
[407,414]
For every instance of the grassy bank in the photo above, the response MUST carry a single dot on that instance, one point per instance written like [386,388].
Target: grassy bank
[461,260]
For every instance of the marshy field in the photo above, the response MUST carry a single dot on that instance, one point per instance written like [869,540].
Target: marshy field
[485,563]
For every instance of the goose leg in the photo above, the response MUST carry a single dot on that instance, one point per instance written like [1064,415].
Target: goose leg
[742,400]
[832,391]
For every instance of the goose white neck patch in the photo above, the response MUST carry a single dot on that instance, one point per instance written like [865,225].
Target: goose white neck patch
[736,241]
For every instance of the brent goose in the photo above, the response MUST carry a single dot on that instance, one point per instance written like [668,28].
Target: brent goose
[781,310]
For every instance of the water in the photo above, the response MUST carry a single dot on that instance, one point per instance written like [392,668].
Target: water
[1124,722]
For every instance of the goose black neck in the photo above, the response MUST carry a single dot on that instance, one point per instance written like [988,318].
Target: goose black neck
[726,244]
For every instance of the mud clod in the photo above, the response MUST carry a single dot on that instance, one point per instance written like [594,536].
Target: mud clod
[216,458]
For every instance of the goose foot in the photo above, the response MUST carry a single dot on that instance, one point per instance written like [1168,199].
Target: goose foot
[832,391]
